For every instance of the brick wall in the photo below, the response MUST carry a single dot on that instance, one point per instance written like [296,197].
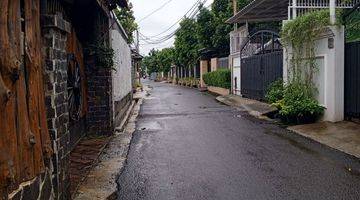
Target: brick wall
[99,117]
[55,30]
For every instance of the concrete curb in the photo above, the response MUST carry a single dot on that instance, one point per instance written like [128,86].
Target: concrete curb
[313,132]
[126,118]
[247,106]
[341,136]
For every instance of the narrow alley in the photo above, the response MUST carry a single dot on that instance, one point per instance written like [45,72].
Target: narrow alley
[188,146]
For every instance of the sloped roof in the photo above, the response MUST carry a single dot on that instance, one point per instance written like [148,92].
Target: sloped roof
[262,11]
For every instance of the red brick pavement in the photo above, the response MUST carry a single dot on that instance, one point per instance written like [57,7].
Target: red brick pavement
[83,158]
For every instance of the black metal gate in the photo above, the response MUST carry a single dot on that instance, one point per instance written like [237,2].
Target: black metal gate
[261,64]
[352,79]
[352,62]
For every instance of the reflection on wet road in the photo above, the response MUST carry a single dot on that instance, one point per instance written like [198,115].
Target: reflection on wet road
[188,146]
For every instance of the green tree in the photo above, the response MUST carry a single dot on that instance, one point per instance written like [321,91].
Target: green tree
[223,10]
[205,28]
[127,21]
[186,44]
[150,62]
[165,59]
[159,61]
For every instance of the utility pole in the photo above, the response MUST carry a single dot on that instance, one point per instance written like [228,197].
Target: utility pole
[332,12]
[235,11]
[137,40]
[235,7]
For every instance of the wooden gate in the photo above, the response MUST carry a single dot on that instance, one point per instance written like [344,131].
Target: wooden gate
[77,89]
[352,80]
[261,64]
[24,137]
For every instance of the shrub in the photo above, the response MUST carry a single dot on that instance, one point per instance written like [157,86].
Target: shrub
[275,91]
[298,105]
[220,78]
[103,54]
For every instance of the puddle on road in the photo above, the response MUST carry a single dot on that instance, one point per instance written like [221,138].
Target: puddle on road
[150,98]
[150,125]
[290,141]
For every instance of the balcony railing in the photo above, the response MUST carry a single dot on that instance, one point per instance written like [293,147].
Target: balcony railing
[301,7]
[237,37]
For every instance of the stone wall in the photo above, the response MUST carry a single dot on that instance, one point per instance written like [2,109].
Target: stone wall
[55,30]
[38,188]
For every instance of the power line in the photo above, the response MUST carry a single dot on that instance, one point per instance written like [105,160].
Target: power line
[156,10]
[178,21]
[193,12]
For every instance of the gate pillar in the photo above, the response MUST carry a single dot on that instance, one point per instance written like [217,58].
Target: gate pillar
[203,70]
[329,79]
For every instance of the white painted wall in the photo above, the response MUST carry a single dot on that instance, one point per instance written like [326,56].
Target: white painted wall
[121,75]
[237,39]
[330,77]
[236,75]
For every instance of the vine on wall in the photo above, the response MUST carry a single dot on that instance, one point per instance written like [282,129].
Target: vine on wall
[297,103]
[301,34]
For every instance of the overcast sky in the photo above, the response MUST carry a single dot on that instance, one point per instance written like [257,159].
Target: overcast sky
[161,20]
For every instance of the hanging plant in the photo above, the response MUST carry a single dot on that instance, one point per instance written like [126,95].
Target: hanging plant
[103,55]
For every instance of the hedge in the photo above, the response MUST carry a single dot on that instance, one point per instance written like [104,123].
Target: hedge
[220,78]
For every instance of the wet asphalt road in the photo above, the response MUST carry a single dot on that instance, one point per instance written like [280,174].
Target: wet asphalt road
[187,146]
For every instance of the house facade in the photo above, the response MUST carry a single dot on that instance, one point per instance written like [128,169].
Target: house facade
[55,89]
[259,57]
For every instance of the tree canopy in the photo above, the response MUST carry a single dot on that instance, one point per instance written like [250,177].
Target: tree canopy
[207,31]
[186,44]
[127,21]
[159,61]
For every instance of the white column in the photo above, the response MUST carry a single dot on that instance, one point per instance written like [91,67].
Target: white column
[294,14]
[332,12]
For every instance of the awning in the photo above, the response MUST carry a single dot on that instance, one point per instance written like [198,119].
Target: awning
[262,11]
[135,55]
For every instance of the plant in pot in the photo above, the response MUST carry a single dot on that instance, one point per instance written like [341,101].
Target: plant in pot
[298,105]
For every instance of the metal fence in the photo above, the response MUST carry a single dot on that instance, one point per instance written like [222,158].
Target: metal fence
[301,7]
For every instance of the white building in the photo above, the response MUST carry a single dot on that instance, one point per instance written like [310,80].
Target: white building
[121,74]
